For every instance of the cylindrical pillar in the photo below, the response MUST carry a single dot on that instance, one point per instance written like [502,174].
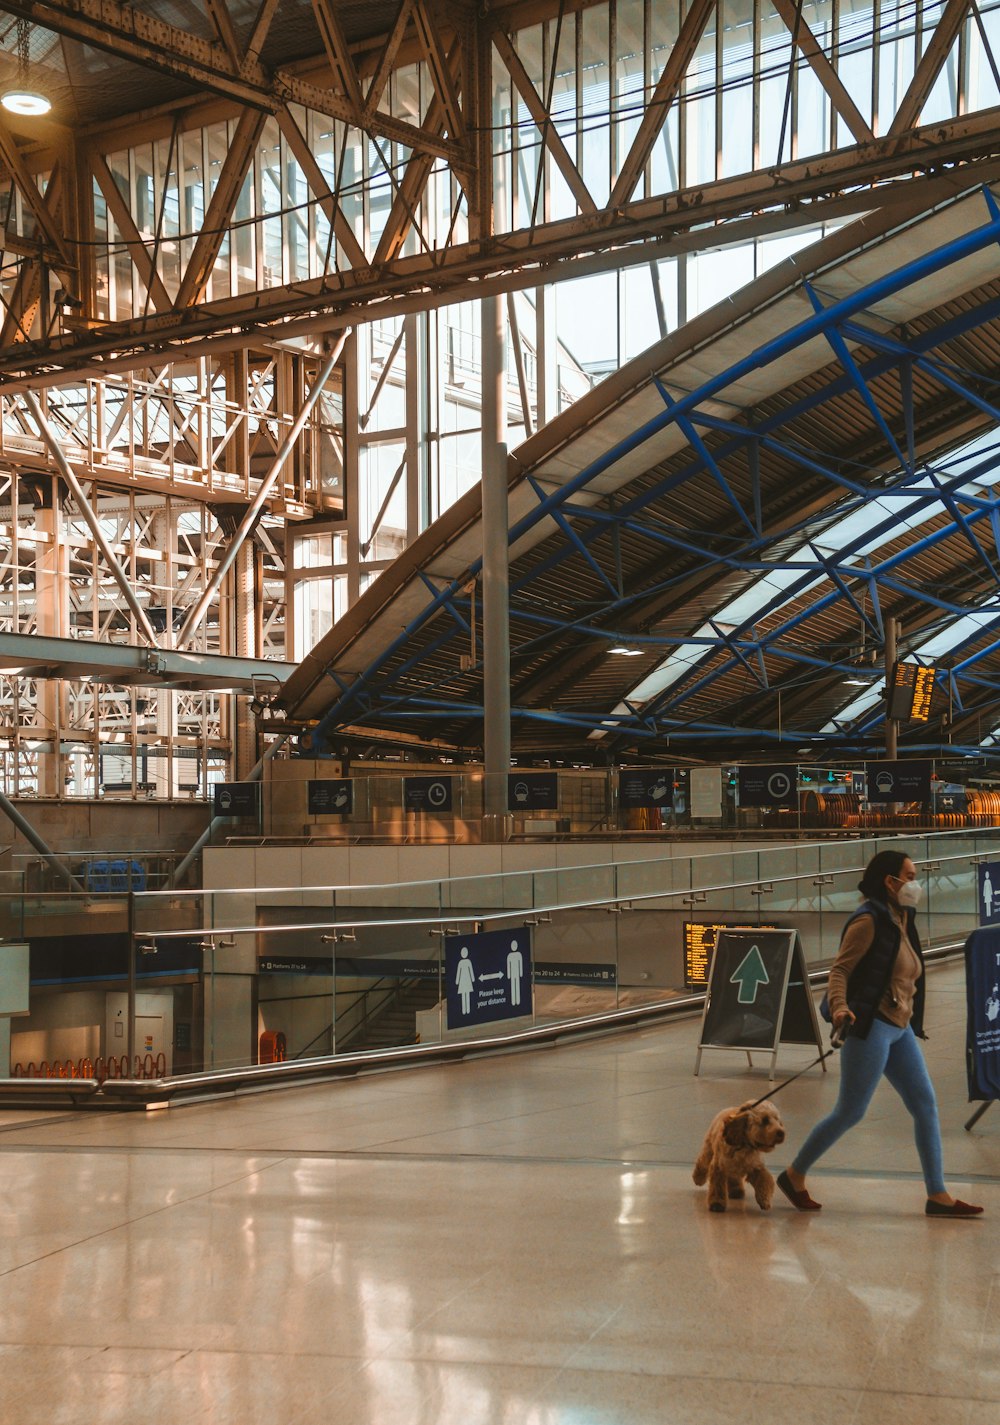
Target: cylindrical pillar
[496,607]
[891,635]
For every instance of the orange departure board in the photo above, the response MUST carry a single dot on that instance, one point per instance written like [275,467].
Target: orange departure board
[699,943]
[923,692]
[911,692]
[699,946]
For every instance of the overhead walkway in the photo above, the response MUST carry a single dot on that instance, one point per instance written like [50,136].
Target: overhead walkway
[512,1239]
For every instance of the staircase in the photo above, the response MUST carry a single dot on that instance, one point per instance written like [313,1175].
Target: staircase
[396,1022]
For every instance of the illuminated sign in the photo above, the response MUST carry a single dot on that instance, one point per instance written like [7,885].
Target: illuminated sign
[911,692]
[699,943]
[699,946]
[923,693]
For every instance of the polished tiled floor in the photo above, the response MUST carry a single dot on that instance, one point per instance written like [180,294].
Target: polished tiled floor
[513,1240]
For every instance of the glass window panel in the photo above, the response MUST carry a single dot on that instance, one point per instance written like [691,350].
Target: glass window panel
[379,469]
[983,92]
[640,320]
[587,323]
[714,275]
[502,147]
[595,103]
[813,114]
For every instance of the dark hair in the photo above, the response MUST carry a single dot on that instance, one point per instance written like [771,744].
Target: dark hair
[882,864]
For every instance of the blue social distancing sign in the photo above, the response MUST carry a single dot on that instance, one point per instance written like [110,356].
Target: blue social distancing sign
[988,887]
[487,976]
[982,1045]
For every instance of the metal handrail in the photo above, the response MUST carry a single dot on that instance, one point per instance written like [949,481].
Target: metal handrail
[256,1076]
[456,915]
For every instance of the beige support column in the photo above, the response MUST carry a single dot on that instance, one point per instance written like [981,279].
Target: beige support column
[51,620]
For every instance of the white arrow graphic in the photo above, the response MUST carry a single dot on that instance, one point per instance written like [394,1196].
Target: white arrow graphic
[497,976]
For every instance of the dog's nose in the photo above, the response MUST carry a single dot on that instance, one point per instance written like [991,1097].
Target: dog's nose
[779,1137]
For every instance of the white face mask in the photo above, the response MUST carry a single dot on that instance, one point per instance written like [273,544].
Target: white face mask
[909,893]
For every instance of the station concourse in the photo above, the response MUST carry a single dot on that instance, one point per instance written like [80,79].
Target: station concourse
[470,466]
[513,1238]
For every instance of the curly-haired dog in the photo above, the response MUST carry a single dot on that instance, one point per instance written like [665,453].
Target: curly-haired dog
[731,1154]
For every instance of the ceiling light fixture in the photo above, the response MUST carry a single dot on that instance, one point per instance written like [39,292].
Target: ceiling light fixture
[22,98]
[624,652]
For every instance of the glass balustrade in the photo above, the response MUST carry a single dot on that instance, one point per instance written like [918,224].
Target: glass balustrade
[158,984]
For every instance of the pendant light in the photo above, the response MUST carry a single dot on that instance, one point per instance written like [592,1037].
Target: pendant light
[22,98]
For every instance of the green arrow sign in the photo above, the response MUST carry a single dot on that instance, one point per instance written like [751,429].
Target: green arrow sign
[750,974]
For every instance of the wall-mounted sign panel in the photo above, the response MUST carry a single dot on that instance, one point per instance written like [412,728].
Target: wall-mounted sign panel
[427,794]
[898,781]
[532,791]
[487,976]
[331,797]
[236,798]
[767,786]
[642,787]
[706,793]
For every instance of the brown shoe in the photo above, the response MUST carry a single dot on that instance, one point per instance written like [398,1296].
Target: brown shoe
[799,1198]
[951,1209]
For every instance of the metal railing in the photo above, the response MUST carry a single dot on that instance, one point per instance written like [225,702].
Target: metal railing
[609,942]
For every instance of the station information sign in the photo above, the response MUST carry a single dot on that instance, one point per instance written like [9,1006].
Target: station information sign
[911,692]
[699,942]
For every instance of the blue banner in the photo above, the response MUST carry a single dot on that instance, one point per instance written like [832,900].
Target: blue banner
[487,976]
[988,890]
[982,1040]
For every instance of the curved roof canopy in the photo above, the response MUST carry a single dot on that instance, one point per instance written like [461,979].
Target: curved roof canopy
[742,508]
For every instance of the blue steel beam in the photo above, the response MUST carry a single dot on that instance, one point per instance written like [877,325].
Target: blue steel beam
[928,541]
[824,322]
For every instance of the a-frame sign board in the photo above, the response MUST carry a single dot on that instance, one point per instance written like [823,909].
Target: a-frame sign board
[758,995]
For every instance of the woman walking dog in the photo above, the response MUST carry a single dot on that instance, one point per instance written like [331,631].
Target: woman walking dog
[876,998]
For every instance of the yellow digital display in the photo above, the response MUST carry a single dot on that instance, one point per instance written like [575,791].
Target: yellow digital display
[699,946]
[699,943]
[911,693]
[923,692]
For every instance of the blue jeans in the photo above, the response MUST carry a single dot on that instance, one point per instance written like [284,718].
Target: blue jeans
[896,1054]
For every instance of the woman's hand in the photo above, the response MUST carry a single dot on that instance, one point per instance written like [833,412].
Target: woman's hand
[843,1020]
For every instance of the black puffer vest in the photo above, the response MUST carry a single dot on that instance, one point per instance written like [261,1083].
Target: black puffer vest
[870,977]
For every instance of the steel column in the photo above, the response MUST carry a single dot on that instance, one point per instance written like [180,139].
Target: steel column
[891,729]
[496,604]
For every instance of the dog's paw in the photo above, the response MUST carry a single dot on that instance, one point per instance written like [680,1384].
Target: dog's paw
[716,1207]
[736,1191]
[700,1176]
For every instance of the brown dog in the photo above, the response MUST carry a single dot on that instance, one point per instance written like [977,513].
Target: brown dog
[731,1154]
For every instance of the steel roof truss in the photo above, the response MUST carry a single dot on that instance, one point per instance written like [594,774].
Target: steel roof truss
[687,425]
[567,529]
[839,346]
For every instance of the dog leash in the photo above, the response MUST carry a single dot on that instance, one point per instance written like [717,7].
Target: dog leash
[836,1041]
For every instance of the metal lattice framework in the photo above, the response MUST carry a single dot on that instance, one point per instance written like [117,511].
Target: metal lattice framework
[232,193]
[747,552]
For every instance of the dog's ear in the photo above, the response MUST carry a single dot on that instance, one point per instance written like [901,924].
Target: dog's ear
[735,1132]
